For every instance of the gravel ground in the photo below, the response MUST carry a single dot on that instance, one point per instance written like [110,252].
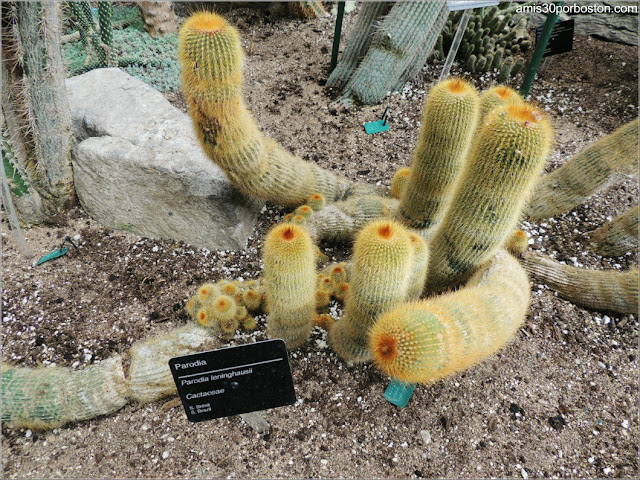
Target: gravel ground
[559,401]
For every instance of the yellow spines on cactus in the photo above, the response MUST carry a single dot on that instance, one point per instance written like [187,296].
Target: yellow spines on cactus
[421,342]
[338,273]
[290,283]
[507,158]
[325,321]
[230,289]
[252,299]
[518,243]
[341,291]
[192,307]
[249,323]
[212,61]
[382,263]
[316,202]
[419,267]
[497,97]
[211,57]
[587,172]
[207,292]
[323,297]
[399,182]
[304,210]
[448,123]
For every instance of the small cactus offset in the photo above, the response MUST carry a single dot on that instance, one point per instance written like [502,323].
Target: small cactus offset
[421,342]
[382,267]
[510,152]
[399,182]
[603,290]
[212,61]
[586,173]
[618,236]
[448,123]
[290,284]
[496,97]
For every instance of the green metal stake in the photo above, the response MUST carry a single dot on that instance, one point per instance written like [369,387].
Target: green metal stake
[336,37]
[541,45]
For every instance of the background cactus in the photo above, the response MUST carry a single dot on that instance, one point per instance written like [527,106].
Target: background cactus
[587,172]
[290,283]
[382,267]
[509,154]
[421,342]
[607,290]
[492,40]
[398,48]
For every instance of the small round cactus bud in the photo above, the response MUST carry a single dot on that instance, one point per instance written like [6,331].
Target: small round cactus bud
[252,299]
[249,324]
[322,299]
[325,321]
[341,291]
[192,307]
[207,292]
[399,182]
[338,273]
[518,242]
[223,307]
[298,219]
[316,202]
[229,326]
[305,210]
[230,289]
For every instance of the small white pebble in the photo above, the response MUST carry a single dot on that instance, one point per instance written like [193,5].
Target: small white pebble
[165,454]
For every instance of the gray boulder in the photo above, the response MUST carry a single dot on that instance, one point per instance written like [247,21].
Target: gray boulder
[139,167]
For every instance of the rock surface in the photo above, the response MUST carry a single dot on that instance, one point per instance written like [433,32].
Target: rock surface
[601,21]
[139,167]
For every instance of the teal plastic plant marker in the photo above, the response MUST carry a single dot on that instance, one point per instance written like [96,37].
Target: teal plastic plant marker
[379,125]
[52,255]
[399,393]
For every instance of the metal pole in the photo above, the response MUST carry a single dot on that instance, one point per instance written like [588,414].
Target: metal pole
[541,45]
[462,25]
[336,37]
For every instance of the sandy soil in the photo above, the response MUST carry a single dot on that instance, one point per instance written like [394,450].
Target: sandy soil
[559,401]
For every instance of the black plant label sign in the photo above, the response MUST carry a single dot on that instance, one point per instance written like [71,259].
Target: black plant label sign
[561,40]
[234,380]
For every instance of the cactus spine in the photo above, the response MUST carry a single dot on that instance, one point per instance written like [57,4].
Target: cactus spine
[449,120]
[212,60]
[421,342]
[290,282]
[507,158]
[618,236]
[382,266]
[586,173]
[607,290]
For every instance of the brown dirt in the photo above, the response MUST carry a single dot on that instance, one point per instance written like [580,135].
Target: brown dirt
[559,401]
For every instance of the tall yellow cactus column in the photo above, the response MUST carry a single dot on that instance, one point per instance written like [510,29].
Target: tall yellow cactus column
[382,268]
[505,163]
[421,342]
[290,283]
[449,120]
[212,61]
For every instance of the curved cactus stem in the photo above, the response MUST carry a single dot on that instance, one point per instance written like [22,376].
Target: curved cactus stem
[586,173]
[603,290]
[618,236]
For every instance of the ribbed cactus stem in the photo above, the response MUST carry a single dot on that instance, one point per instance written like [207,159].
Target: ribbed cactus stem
[382,267]
[357,44]
[419,266]
[48,398]
[505,163]
[290,283]
[404,30]
[421,342]
[602,290]
[589,171]
[618,236]
[448,123]
[212,61]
